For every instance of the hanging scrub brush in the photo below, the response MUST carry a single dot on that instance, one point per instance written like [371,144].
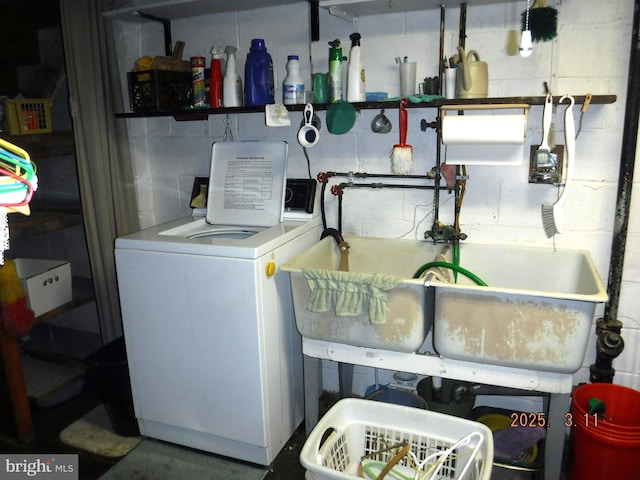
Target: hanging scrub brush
[541,20]
[402,154]
[552,214]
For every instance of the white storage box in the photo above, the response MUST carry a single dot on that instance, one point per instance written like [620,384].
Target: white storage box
[354,428]
[46,283]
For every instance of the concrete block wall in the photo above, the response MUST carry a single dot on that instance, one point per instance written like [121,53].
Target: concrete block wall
[590,54]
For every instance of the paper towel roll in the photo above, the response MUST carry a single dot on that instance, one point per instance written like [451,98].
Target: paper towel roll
[505,155]
[483,129]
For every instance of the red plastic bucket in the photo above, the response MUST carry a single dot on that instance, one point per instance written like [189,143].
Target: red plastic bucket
[602,449]
[622,415]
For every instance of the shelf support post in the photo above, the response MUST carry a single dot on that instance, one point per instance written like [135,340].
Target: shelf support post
[314,20]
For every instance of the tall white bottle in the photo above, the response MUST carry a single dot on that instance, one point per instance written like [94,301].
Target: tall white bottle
[356,89]
[232,84]
[293,85]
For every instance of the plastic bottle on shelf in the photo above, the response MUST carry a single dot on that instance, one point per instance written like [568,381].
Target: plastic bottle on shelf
[355,72]
[215,81]
[335,71]
[293,85]
[258,75]
[232,85]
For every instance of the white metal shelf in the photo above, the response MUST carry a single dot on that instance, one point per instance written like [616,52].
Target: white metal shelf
[351,9]
[175,9]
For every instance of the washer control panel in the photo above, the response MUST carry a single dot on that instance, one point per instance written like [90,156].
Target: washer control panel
[300,195]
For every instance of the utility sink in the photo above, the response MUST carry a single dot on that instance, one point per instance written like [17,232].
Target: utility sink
[407,320]
[535,312]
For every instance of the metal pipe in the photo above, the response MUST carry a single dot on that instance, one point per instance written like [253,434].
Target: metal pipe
[314,20]
[376,175]
[344,185]
[462,33]
[384,185]
[323,178]
[609,343]
[625,180]
[441,59]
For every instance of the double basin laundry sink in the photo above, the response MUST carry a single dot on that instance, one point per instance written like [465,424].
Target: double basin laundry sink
[523,307]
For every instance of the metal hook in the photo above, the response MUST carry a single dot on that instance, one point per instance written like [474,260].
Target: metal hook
[308,114]
[571,100]
[228,133]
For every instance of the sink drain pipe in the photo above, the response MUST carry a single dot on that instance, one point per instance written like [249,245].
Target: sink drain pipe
[609,343]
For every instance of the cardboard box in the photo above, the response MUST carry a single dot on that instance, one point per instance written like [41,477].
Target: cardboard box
[46,283]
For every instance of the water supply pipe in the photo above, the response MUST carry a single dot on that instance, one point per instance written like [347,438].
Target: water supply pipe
[338,190]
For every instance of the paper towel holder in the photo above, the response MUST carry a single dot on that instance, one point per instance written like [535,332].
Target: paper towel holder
[481,137]
[499,106]
[483,127]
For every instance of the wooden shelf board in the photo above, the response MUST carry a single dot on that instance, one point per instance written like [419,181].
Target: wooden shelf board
[44,220]
[44,145]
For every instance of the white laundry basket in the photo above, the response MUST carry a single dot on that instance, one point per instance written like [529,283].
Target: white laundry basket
[354,428]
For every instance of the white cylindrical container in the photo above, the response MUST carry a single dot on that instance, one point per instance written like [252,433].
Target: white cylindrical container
[293,85]
[450,82]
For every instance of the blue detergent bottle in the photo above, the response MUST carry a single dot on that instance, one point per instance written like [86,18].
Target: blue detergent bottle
[258,75]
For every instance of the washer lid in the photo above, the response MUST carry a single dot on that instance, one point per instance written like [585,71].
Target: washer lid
[247,183]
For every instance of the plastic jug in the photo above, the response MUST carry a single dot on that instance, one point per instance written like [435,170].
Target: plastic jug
[473,76]
[258,75]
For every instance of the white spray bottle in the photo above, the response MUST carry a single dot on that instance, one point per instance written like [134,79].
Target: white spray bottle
[232,85]
[355,72]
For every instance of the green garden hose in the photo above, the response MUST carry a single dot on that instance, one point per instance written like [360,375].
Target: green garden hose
[451,266]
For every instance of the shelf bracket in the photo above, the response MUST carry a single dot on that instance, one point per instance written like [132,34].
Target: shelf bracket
[343,14]
[166,25]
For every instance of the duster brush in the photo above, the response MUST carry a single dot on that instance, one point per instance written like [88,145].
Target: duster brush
[551,214]
[402,154]
[541,20]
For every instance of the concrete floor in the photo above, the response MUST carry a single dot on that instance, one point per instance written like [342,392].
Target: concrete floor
[50,421]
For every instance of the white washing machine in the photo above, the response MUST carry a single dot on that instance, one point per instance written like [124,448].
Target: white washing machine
[214,355]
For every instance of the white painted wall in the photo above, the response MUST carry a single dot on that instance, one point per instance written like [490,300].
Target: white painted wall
[590,54]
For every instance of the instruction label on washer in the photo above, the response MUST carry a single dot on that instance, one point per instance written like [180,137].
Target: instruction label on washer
[248,184]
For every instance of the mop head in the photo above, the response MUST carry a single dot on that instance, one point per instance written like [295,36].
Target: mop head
[17,317]
[402,160]
[543,21]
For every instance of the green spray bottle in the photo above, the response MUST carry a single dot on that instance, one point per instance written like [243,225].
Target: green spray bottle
[335,71]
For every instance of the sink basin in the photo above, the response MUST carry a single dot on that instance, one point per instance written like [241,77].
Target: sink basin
[536,311]
[406,324]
